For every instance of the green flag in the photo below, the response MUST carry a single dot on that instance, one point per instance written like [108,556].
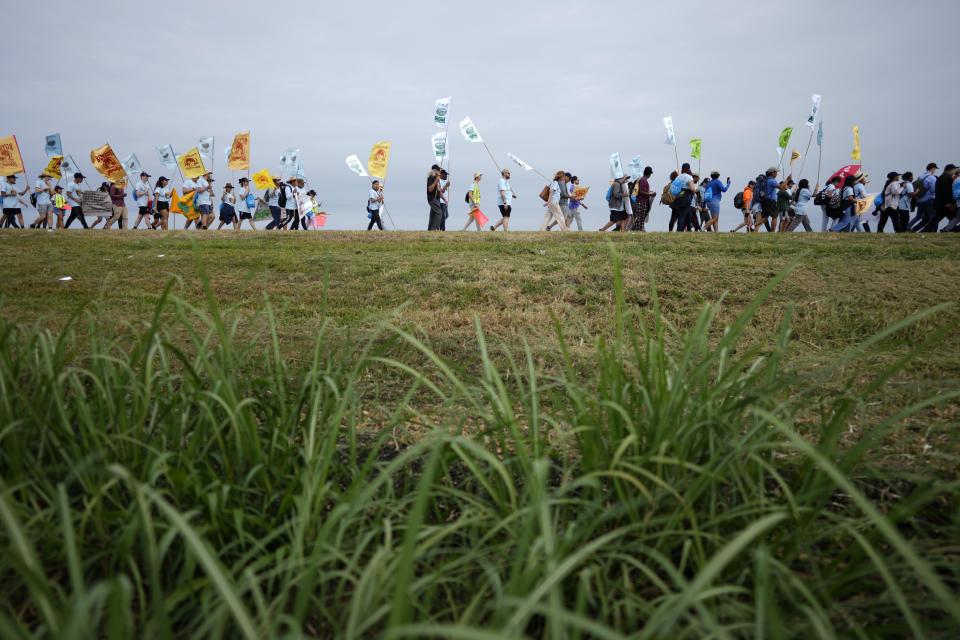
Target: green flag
[785,137]
[695,146]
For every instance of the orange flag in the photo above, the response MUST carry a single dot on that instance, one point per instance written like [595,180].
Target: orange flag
[10,160]
[240,153]
[106,163]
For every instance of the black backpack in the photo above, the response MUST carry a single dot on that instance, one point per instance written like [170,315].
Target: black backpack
[282,198]
[33,199]
[466,198]
[738,200]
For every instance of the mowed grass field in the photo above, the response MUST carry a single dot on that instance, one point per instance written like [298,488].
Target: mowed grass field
[479,435]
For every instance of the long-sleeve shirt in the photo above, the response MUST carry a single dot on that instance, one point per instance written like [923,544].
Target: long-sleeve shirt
[891,195]
[718,188]
[930,184]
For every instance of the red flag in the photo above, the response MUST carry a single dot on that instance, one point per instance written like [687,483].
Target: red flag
[481,219]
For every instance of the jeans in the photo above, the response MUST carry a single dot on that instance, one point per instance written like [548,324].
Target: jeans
[846,221]
[683,218]
[940,211]
[275,214]
[924,216]
[446,214]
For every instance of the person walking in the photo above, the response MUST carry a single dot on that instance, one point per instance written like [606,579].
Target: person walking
[444,198]
[74,197]
[272,199]
[553,203]
[892,190]
[954,224]
[801,202]
[43,190]
[374,202]
[684,200]
[859,193]
[644,198]
[473,202]
[619,204]
[59,204]
[505,198]
[925,198]
[435,221]
[228,208]
[785,203]
[745,208]
[717,189]
[848,206]
[244,200]
[162,192]
[141,194]
[204,189]
[666,199]
[943,203]
[118,200]
[901,222]
[12,214]
[769,211]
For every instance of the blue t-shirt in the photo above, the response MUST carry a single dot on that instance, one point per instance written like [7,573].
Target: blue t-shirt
[506,196]
[44,196]
[772,187]
[905,196]
[803,200]
[554,192]
[717,188]
[10,202]
[859,191]
[930,184]
[573,204]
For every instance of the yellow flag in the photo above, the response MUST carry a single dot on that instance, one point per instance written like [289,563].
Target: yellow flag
[105,162]
[240,153]
[794,156]
[191,164]
[262,179]
[53,167]
[379,158]
[122,182]
[183,205]
[10,160]
[856,144]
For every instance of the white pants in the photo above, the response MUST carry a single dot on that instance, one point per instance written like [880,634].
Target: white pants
[553,213]
[574,214]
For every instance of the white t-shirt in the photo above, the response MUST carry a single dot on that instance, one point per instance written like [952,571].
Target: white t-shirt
[187,185]
[44,196]
[373,195]
[203,196]
[230,197]
[242,200]
[144,199]
[163,193]
[73,189]
[291,199]
[274,199]
[504,193]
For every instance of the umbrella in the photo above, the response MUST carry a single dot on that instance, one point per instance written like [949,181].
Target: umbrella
[849,170]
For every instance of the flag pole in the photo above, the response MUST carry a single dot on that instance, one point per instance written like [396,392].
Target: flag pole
[491,155]
[803,162]
[677,156]
[383,205]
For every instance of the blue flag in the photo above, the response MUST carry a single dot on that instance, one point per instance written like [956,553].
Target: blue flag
[820,135]
[52,147]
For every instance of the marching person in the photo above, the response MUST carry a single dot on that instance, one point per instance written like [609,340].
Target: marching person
[829,214]
[374,201]
[859,193]
[645,196]
[289,199]
[553,203]
[205,200]
[474,202]
[59,204]
[769,211]
[925,199]
[142,196]
[717,189]
[73,195]
[505,198]
[44,195]
[272,198]
[891,202]
[444,198]
[619,204]
[228,208]
[801,201]
[190,189]
[118,200]
[435,222]
[848,205]
[666,199]
[12,213]
[745,208]
[906,199]
[308,221]
[161,192]
[243,204]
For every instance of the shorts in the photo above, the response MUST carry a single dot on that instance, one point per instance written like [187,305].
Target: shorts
[505,210]
[204,209]
[246,215]
[618,216]
[162,206]
[144,211]
[44,209]
[227,213]
[770,208]
[714,207]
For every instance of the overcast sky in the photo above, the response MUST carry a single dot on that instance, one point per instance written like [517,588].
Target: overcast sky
[560,84]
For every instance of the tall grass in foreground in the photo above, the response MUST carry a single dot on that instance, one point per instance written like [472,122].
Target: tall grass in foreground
[186,483]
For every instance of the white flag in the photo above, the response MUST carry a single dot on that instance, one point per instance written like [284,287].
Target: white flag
[289,160]
[354,164]
[131,165]
[519,162]
[616,166]
[68,167]
[439,142]
[205,147]
[299,171]
[167,157]
[226,154]
[671,137]
[441,112]
[636,167]
[469,130]
[812,119]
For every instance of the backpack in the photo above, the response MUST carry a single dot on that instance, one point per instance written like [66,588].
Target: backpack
[466,198]
[33,199]
[821,198]
[878,201]
[609,193]
[738,201]
[836,198]
[667,198]
[251,202]
[918,189]
[282,198]
[707,195]
[956,189]
[676,186]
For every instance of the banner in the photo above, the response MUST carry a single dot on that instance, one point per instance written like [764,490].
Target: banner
[191,164]
[441,112]
[671,137]
[820,135]
[10,160]
[696,145]
[239,156]
[354,164]
[205,147]
[105,162]
[53,167]
[785,138]
[520,163]
[262,179]
[68,166]
[812,118]
[183,205]
[794,156]
[289,160]
[305,205]
[439,143]
[855,154]
[616,166]
[379,158]
[636,168]
[52,146]
[96,204]
[132,166]
[167,157]
[579,193]
[469,130]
